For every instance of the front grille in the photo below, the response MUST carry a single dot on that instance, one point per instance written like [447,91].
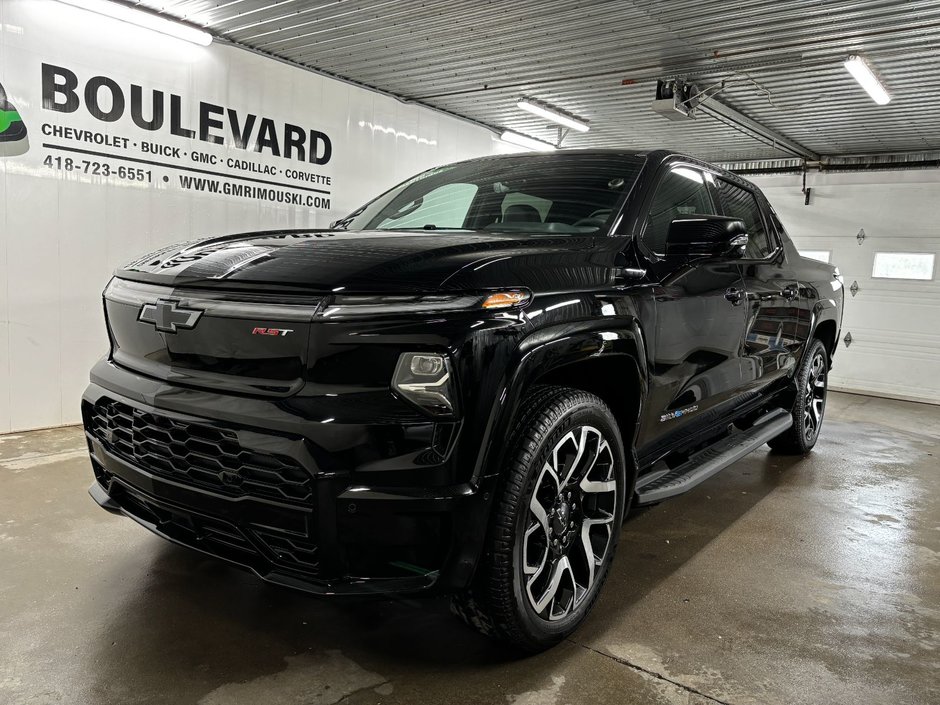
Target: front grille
[255,547]
[193,529]
[197,454]
[291,552]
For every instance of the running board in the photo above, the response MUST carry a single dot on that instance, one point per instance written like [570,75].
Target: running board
[701,466]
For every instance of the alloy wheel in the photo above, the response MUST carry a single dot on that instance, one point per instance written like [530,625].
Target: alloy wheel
[814,397]
[569,524]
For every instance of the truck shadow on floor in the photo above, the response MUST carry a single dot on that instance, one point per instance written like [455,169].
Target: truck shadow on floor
[209,623]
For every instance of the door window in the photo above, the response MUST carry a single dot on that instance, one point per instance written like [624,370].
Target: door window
[682,192]
[741,204]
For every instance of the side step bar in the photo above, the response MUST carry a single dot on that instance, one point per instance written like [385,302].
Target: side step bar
[701,466]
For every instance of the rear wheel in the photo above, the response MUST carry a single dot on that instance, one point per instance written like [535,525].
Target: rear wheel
[555,524]
[809,405]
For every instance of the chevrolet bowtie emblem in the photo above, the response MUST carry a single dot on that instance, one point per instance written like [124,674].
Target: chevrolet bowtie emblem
[168,316]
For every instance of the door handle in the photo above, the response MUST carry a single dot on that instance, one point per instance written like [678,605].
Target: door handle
[790,292]
[734,295]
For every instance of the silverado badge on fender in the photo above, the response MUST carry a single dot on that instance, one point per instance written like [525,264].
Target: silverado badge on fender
[168,317]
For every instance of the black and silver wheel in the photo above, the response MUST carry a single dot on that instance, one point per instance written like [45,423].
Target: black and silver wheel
[809,404]
[569,524]
[556,523]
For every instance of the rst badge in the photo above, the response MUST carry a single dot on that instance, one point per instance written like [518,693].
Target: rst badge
[167,316]
[272,331]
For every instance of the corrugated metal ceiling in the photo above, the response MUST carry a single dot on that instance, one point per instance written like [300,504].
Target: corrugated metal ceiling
[781,62]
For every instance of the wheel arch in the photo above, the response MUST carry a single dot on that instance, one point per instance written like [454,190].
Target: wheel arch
[826,331]
[615,378]
[607,361]
[825,326]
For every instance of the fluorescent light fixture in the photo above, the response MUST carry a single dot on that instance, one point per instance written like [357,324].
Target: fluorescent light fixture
[527,142]
[861,72]
[144,19]
[553,115]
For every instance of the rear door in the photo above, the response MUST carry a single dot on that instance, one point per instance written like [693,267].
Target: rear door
[772,341]
[696,342]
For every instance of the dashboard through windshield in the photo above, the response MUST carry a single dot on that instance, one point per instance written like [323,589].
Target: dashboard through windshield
[552,193]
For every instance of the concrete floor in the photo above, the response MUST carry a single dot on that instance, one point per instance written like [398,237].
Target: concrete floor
[781,580]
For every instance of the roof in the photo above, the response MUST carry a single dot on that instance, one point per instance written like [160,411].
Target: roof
[778,63]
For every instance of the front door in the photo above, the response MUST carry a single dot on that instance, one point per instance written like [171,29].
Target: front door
[695,345]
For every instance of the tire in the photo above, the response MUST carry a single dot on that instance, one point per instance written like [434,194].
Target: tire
[809,403]
[555,524]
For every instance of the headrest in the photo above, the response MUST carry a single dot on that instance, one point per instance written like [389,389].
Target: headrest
[522,213]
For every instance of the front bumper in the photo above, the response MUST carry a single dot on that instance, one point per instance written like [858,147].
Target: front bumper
[179,475]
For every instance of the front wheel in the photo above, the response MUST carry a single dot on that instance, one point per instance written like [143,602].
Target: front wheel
[555,525]
[809,405]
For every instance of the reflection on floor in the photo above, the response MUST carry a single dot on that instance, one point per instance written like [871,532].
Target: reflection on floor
[781,580]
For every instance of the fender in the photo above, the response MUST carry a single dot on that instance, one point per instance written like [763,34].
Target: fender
[823,310]
[541,352]
[545,350]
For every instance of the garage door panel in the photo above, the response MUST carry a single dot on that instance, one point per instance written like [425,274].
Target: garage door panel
[916,346]
[895,328]
[890,315]
[894,323]
[862,368]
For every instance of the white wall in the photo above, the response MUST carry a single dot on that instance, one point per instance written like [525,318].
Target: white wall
[63,232]
[895,324]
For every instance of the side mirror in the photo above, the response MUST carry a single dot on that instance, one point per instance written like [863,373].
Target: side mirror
[706,236]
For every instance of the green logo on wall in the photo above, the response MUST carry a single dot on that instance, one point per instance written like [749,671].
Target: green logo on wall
[13,139]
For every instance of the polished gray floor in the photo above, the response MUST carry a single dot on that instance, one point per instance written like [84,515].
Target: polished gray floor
[781,580]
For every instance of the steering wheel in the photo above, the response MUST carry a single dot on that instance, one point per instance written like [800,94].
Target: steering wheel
[593,222]
[597,219]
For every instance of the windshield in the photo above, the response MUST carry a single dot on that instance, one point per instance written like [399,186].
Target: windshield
[551,193]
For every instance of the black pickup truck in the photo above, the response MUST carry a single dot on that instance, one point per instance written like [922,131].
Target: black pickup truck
[465,384]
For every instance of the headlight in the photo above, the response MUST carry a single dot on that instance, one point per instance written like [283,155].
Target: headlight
[506,299]
[425,379]
[365,305]
[376,304]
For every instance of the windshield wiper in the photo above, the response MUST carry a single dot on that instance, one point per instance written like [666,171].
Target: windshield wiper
[428,226]
[343,223]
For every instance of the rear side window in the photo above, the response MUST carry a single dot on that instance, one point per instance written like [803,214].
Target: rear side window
[741,204]
[781,231]
[682,192]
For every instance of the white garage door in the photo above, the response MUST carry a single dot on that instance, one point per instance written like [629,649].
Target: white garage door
[894,318]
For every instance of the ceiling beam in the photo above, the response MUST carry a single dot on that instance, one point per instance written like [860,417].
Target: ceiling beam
[752,128]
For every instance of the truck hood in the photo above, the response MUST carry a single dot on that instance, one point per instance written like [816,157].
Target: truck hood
[376,261]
